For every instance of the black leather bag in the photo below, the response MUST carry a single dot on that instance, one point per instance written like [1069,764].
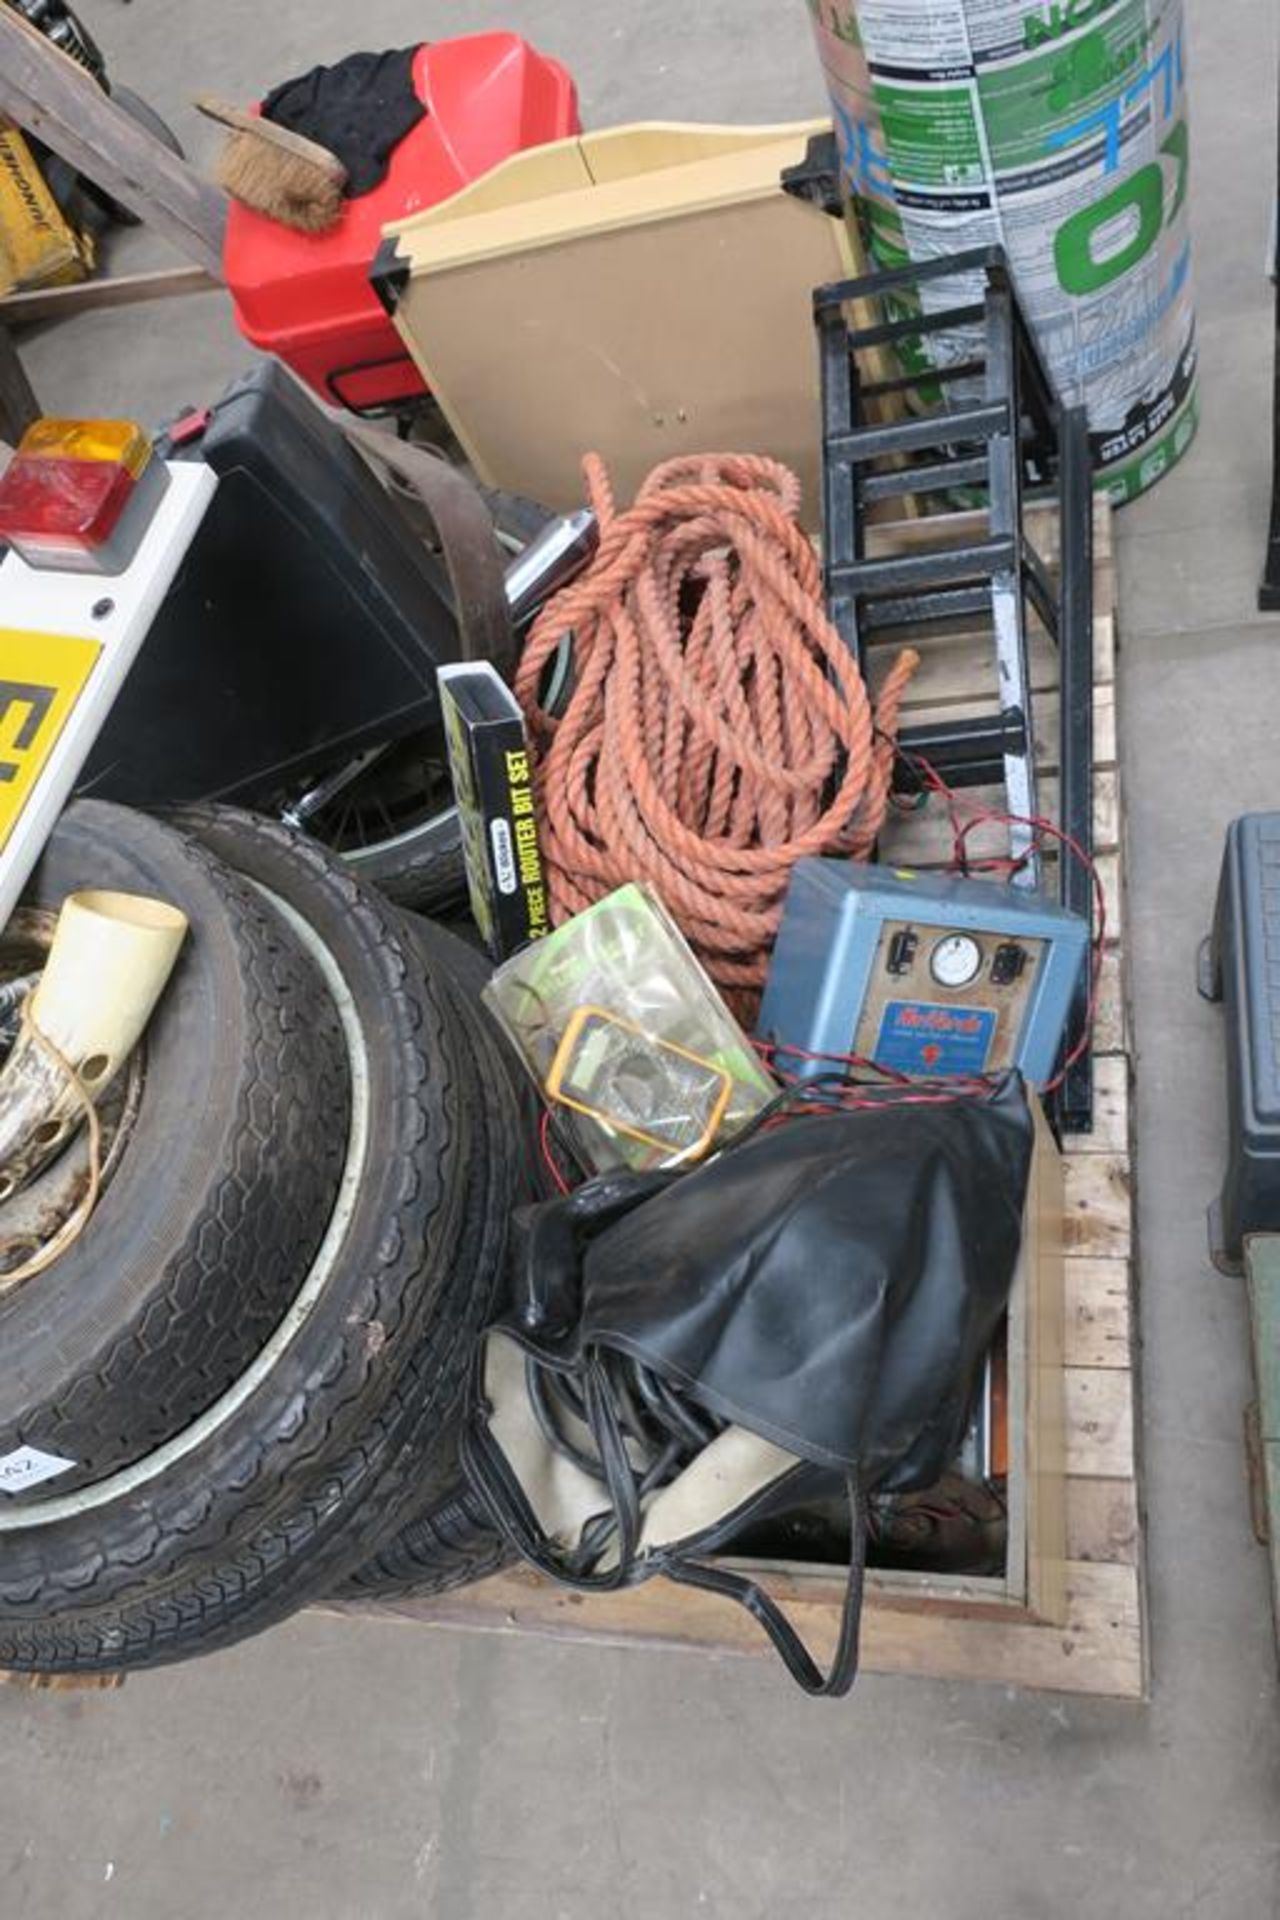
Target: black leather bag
[684,1353]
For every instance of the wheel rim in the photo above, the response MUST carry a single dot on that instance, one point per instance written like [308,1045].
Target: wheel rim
[401,797]
[405,797]
[32,1217]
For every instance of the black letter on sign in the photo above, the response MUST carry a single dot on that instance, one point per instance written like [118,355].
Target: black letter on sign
[37,701]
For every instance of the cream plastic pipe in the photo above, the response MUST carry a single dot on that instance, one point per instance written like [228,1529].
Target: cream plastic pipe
[110,958]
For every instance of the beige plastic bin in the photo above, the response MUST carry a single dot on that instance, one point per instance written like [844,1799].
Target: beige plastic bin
[643,292]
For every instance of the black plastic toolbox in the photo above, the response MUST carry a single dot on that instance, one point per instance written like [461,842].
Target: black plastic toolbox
[1240,966]
[305,624]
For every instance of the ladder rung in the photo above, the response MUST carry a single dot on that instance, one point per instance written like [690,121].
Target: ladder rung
[939,473]
[955,603]
[908,382]
[900,572]
[948,320]
[916,436]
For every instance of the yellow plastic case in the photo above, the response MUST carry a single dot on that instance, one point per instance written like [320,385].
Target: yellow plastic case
[559,1084]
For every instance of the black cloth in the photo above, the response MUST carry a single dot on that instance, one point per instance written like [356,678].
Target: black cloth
[831,1284]
[360,109]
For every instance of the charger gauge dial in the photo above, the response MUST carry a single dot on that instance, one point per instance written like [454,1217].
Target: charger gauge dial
[956,960]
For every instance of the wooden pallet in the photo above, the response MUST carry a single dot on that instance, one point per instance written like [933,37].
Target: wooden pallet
[1099,1646]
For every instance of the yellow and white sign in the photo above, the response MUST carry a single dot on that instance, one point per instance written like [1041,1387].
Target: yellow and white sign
[42,675]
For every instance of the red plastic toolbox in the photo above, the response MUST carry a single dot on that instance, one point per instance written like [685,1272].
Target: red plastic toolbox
[307,297]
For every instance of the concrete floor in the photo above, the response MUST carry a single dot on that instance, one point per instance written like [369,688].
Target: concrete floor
[343,1771]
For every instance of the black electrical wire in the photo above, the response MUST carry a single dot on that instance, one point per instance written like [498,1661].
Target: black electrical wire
[543,1386]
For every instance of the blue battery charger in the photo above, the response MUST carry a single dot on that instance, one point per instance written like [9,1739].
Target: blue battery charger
[923,973]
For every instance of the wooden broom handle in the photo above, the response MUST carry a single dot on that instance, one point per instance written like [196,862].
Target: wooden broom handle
[258,128]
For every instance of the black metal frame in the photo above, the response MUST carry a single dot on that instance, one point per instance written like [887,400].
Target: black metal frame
[1010,439]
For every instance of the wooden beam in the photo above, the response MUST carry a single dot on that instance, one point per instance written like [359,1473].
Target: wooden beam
[1098,1649]
[51,97]
[118,290]
[1099,1311]
[1100,1433]
[18,403]
[63,1682]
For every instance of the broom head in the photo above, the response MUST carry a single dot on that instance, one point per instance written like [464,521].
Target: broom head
[277,173]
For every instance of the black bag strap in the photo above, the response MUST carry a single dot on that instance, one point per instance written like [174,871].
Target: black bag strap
[491,1477]
[763,1608]
[494,1482]
[472,556]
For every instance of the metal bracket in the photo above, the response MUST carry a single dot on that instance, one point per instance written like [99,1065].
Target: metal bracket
[817,176]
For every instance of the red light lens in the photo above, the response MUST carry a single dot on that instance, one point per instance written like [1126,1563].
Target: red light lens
[56,505]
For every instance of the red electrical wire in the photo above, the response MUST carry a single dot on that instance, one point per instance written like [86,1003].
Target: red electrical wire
[770,1049]
[961,827]
[889,1087]
[544,1139]
[1040,826]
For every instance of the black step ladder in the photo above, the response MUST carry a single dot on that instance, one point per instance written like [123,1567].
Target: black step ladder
[979,423]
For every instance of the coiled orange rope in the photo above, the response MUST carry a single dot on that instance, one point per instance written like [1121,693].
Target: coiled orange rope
[718,729]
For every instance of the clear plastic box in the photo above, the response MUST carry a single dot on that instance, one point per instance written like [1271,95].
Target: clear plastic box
[627,1039]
